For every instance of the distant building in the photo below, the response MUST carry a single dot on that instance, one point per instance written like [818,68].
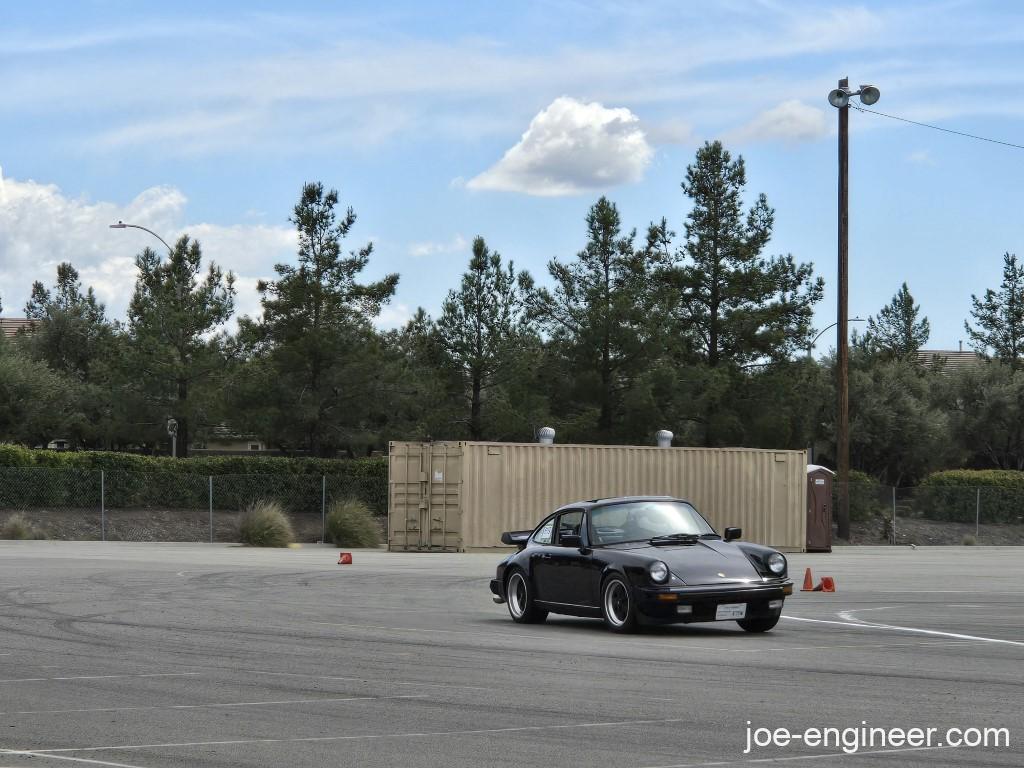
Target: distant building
[11,325]
[222,439]
[949,361]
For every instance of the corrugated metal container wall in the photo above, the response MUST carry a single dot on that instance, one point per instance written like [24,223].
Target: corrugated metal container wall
[511,486]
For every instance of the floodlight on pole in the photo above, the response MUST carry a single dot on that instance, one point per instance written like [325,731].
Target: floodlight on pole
[840,99]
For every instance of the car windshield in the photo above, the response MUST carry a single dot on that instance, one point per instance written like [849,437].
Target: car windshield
[643,520]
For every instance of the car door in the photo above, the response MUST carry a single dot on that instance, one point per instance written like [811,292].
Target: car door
[541,565]
[568,565]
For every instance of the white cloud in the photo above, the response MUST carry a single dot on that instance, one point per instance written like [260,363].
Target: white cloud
[921,157]
[791,121]
[41,227]
[393,316]
[429,248]
[571,147]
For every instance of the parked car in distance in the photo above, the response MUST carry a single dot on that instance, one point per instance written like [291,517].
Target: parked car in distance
[640,560]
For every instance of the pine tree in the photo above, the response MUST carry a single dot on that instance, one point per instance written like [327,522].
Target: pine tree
[1000,316]
[173,319]
[316,330]
[70,329]
[484,327]
[731,304]
[600,312]
[897,332]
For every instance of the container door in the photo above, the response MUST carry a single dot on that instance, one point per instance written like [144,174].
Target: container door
[424,497]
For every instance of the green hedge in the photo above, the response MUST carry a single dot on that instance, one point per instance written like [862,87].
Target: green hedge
[955,494]
[38,478]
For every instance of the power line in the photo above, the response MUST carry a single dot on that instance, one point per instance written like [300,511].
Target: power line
[937,128]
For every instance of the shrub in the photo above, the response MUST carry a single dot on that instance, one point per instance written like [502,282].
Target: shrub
[264,524]
[969,540]
[956,494]
[350,523]
[20,527]
[37,478]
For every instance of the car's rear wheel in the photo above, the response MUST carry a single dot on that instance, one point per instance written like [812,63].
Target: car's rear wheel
[758,625]
[617,605]
[519,597]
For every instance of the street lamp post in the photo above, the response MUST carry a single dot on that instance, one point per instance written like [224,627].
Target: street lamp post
[840,99]
[172,423]
[827,328]
[172,430]
[122,225]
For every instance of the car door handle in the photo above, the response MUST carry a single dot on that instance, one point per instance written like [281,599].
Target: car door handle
[545,556]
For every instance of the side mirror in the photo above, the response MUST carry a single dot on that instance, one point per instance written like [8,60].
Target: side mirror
[569,540]
[733,533]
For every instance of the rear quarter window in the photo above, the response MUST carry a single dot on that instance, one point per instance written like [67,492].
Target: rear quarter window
[544,533]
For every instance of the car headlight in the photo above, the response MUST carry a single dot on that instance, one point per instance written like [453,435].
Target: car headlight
[777,563]
[658,571]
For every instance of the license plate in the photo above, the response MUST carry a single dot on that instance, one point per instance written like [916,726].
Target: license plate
[730,611]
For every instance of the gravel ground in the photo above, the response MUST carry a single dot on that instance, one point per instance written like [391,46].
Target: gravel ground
[152,525]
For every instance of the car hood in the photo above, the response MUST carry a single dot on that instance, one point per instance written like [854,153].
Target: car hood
[706,562]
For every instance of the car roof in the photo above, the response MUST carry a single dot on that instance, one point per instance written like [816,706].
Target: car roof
[590,503]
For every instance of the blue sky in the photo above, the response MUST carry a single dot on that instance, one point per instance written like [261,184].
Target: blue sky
[441,121]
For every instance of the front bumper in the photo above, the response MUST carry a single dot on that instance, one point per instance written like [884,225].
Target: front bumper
[670,605]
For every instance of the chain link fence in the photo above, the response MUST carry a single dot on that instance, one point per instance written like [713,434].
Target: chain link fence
[934,515]
[116,505]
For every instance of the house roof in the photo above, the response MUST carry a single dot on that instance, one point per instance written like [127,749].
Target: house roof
[11,325]
[952,360]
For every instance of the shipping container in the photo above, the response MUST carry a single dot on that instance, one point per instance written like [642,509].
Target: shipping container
[460,496]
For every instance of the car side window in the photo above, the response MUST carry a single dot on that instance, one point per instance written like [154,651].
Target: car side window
[569,523]
[544,533]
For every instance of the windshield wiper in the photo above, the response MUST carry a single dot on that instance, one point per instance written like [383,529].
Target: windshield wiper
[683,538]
[710,536]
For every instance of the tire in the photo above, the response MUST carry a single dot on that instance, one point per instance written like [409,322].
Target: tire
[758,625]
[519,597]
[617,605]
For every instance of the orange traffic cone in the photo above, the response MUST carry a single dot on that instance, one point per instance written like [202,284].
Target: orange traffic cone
[827,585]
[808,582]
[344,558]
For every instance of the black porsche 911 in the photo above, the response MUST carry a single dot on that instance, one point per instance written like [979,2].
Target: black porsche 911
[640,560]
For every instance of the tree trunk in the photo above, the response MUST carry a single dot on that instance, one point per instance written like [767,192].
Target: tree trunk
[475,427]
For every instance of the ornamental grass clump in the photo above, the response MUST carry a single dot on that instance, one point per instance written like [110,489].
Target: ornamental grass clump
[17,526]
[264,524]
[350,523]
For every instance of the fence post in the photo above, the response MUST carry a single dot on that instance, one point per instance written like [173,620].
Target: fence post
[894,514]
[977,517]
[103,508]
[323,509]
[211,509]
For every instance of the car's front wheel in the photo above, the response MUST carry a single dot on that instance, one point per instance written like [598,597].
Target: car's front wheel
[758,625]
[519,597]
[617,605]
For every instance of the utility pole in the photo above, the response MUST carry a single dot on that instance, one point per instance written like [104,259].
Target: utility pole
[840,99]
[842,342]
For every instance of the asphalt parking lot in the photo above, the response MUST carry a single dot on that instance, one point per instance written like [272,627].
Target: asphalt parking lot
[162,655]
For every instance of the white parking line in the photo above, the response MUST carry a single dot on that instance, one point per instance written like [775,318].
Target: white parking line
[208,706]
[366,737]
[367,680]
[683,645]
[96,677]
[83,760]
[861,624]
[792,758]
